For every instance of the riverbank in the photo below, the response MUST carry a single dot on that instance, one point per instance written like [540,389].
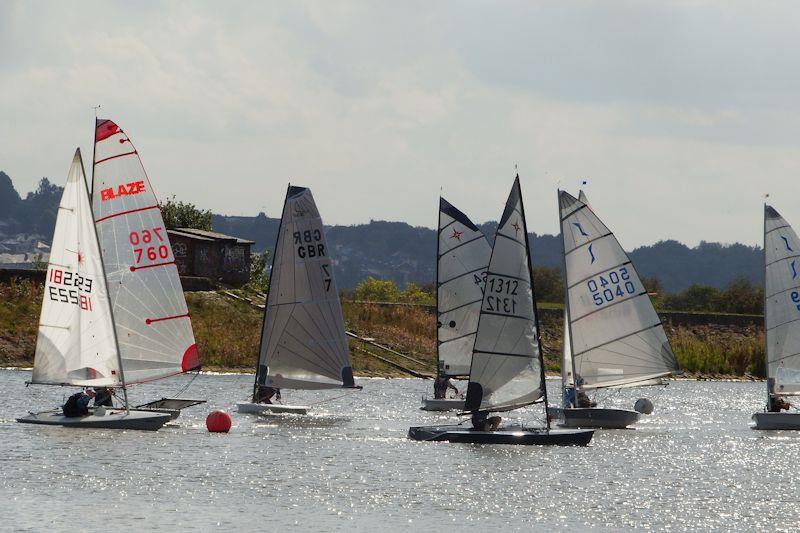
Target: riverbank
[227,332]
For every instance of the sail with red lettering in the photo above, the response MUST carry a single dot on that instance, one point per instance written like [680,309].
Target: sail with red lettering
[75,344]
[150,314]
[303,340]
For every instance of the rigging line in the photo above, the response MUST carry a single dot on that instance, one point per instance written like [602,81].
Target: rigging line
[618,338]
[465,243]
[776,229]
[512,239]
[331,341]
[186,387]
[459,276]
[781,259]
[590,241]
[473,302]
[322,359]
[572,212]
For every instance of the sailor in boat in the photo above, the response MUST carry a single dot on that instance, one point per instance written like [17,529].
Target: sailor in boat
[78,404]
[582,399]
[440,386]
[265,394]
[481,421]
[103,396]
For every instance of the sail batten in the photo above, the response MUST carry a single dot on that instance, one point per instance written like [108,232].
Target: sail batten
[150,314]
[76,344]
[506,371]
[616,337]
[303,341]
[782,303]
[462,259]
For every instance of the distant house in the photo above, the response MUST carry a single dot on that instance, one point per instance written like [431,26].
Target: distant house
[211,255]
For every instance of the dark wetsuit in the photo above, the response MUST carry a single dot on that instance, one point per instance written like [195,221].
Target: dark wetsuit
[103,397]
[76,405]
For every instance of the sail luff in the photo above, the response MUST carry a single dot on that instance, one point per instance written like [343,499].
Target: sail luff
[568,380]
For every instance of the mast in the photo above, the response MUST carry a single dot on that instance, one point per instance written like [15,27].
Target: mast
[766,344]
[567,314]
[103,266]
[535,310]
[259,376]
[438,322]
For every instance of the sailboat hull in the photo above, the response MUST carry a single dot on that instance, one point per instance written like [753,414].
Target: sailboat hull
[596,418]
[767,421]
[508,435]
[267,408]
[113,419]
[443,404]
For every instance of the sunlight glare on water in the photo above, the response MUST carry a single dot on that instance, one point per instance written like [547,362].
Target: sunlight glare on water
[694,464]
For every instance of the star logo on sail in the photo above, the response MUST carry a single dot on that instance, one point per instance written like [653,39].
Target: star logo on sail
[786,242]
[516,227]
[456,234]
[577,225]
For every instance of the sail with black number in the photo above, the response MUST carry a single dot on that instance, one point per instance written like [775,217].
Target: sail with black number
[506,369]
[616,337]
[150,314]
[463,255]
[782,298]
[303,341]
[76,344]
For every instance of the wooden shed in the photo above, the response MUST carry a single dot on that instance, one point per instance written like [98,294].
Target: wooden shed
[211,255]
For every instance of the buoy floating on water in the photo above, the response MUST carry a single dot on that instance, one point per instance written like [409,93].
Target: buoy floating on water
[218,422]
[644,406]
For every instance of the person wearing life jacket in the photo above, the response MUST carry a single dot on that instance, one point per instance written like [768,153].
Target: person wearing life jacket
[78,404]
[440,386]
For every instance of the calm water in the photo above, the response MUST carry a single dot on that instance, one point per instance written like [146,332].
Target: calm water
[692,465]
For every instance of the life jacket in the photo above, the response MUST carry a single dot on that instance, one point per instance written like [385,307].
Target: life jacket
[71,406]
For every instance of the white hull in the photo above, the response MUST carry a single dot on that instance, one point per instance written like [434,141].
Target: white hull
[776,421]
[595,417]
[267,408]
[444,404]
[112,419]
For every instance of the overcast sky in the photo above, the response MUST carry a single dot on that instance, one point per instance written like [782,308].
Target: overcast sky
[681,115]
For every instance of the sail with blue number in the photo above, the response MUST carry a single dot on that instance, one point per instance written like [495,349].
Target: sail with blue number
[782,298]
[615,335]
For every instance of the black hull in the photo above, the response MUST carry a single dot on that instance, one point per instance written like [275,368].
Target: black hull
[517,436]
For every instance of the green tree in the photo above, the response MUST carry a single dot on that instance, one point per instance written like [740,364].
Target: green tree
[185,215]
[549,284]
[741,296]
[259,277]
[414,294]
[377,290]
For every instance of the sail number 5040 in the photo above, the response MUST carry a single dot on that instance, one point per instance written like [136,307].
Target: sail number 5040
[611,285]
[140,241]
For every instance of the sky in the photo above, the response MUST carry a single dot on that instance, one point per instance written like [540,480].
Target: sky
[680,115]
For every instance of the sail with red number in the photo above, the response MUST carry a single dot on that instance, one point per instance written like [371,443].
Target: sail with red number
[75,344]
[150,313]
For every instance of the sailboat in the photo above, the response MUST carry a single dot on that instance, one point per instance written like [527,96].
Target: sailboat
[781,321]
[152,320]
[507,370]
[77,343]
[303,340]
[462,256]
[613,336]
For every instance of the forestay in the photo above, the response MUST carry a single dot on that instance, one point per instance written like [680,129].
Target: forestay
[782,317]
[463,256]
[75,344]
[616,335]
[152,320]
[303,341]
[506,371]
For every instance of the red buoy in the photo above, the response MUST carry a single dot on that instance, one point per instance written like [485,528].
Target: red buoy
[218,422]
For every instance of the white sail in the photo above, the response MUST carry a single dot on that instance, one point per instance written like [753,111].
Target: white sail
[782,313]
[616,335]
[463,257]
[150,314]
[303,341]
[506,372]
[76,342]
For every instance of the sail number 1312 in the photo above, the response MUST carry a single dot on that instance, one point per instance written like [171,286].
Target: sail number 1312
[500,297]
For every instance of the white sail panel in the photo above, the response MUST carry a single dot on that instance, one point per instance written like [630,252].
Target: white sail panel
[782,313]
[153,326]
[75,344]
[463,257]
[616,335]
[506,372]
[303,342]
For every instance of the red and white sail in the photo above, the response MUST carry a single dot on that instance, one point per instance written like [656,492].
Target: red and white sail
[152,321]
[76,344]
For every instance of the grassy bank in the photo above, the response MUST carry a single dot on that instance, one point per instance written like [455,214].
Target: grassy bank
[227,333]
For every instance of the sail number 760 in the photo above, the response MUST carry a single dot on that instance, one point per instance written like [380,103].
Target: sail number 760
[142,249]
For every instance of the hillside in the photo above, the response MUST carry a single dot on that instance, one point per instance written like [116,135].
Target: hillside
[403,253]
